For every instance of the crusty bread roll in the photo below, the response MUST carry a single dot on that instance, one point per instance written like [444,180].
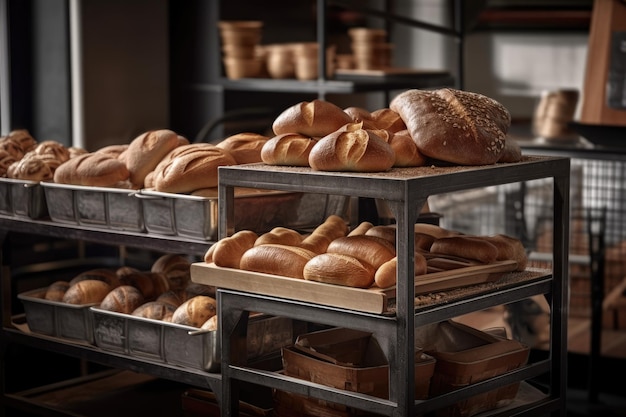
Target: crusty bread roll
[359,114]
[151,284]
[276,259]
[54,148]
[454,126]
[332,228]
[12,147]
[23,138]
[93,168]
[173,297]
[387,232]
[244,147]
[146,151]
[56,290]
[351,148]
[281,236]
[155,310]
[467,247]
[101,274]
[433,230]
[371,249]
[405,149]
[339,269]
[387,119]
[509,248]
[91,291]
[291,149]
[113,150]
[195,311]
[229,250]
[314,119]
[193,170]
[386,274]
[6,160]
[176,268]
[123,299]
[31,168]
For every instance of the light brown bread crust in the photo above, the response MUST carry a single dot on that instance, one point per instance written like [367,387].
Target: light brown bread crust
[314,119]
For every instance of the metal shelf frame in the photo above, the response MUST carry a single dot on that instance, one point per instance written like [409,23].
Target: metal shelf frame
[405,191]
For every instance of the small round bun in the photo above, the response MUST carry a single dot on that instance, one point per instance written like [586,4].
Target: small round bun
[195,311]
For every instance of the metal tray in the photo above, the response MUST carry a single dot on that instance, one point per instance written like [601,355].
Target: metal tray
[182,345]
[197,216]
[22,198]
[106,207]
[55,318]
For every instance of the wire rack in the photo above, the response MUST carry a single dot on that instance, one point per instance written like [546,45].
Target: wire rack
[598,209]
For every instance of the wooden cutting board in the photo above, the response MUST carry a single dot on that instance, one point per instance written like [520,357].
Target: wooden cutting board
[370,300]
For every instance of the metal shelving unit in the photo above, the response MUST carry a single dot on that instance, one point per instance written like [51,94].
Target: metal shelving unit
[405,191]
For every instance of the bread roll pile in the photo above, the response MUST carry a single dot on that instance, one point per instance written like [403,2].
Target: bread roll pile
[22,157]
[163,293]
[360,258]
[419,127]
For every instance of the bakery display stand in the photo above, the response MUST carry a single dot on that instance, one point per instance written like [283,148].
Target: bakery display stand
[405,191]
[9,334]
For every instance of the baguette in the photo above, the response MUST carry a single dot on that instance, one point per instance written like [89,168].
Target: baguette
[371,249]
[276,259]
[467,247]
[386,274]
[339,269]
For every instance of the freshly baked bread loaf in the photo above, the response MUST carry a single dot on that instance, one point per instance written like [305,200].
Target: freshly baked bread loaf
[113,150]
[386,274]
[314,119]
[467,247]
[12,146]
[23,138]
[173,297]
[454,126]
[275,259]
[54,148]
[332,228]
[387,119]
[192,170]
[244,147]
[352,148]
[123,299]
[155,310]
[91,291]
[405,149]
[95,169]
[371,249]
[280,235]
[31,168]
[434,230]
[229,250]
[339,269]
[195,311]
[101,274]
[56,290]
[359,114]
[509,248]
[146,151]
[151,284]
[291,149]
[387,232]
[175,267]
[361,228]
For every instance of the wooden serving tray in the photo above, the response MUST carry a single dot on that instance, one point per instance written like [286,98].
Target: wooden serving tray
[369,300]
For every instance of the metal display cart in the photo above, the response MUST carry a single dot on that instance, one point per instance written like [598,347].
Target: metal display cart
[405,191]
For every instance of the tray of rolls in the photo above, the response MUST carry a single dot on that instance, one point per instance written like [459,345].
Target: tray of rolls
[353,269]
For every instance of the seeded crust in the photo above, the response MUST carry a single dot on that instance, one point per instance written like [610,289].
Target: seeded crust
[454,126]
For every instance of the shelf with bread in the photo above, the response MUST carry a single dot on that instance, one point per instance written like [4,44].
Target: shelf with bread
[352,161]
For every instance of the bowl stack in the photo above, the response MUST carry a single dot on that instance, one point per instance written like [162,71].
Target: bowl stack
[370,48]
[280,62]
[240,46]
[305,57]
